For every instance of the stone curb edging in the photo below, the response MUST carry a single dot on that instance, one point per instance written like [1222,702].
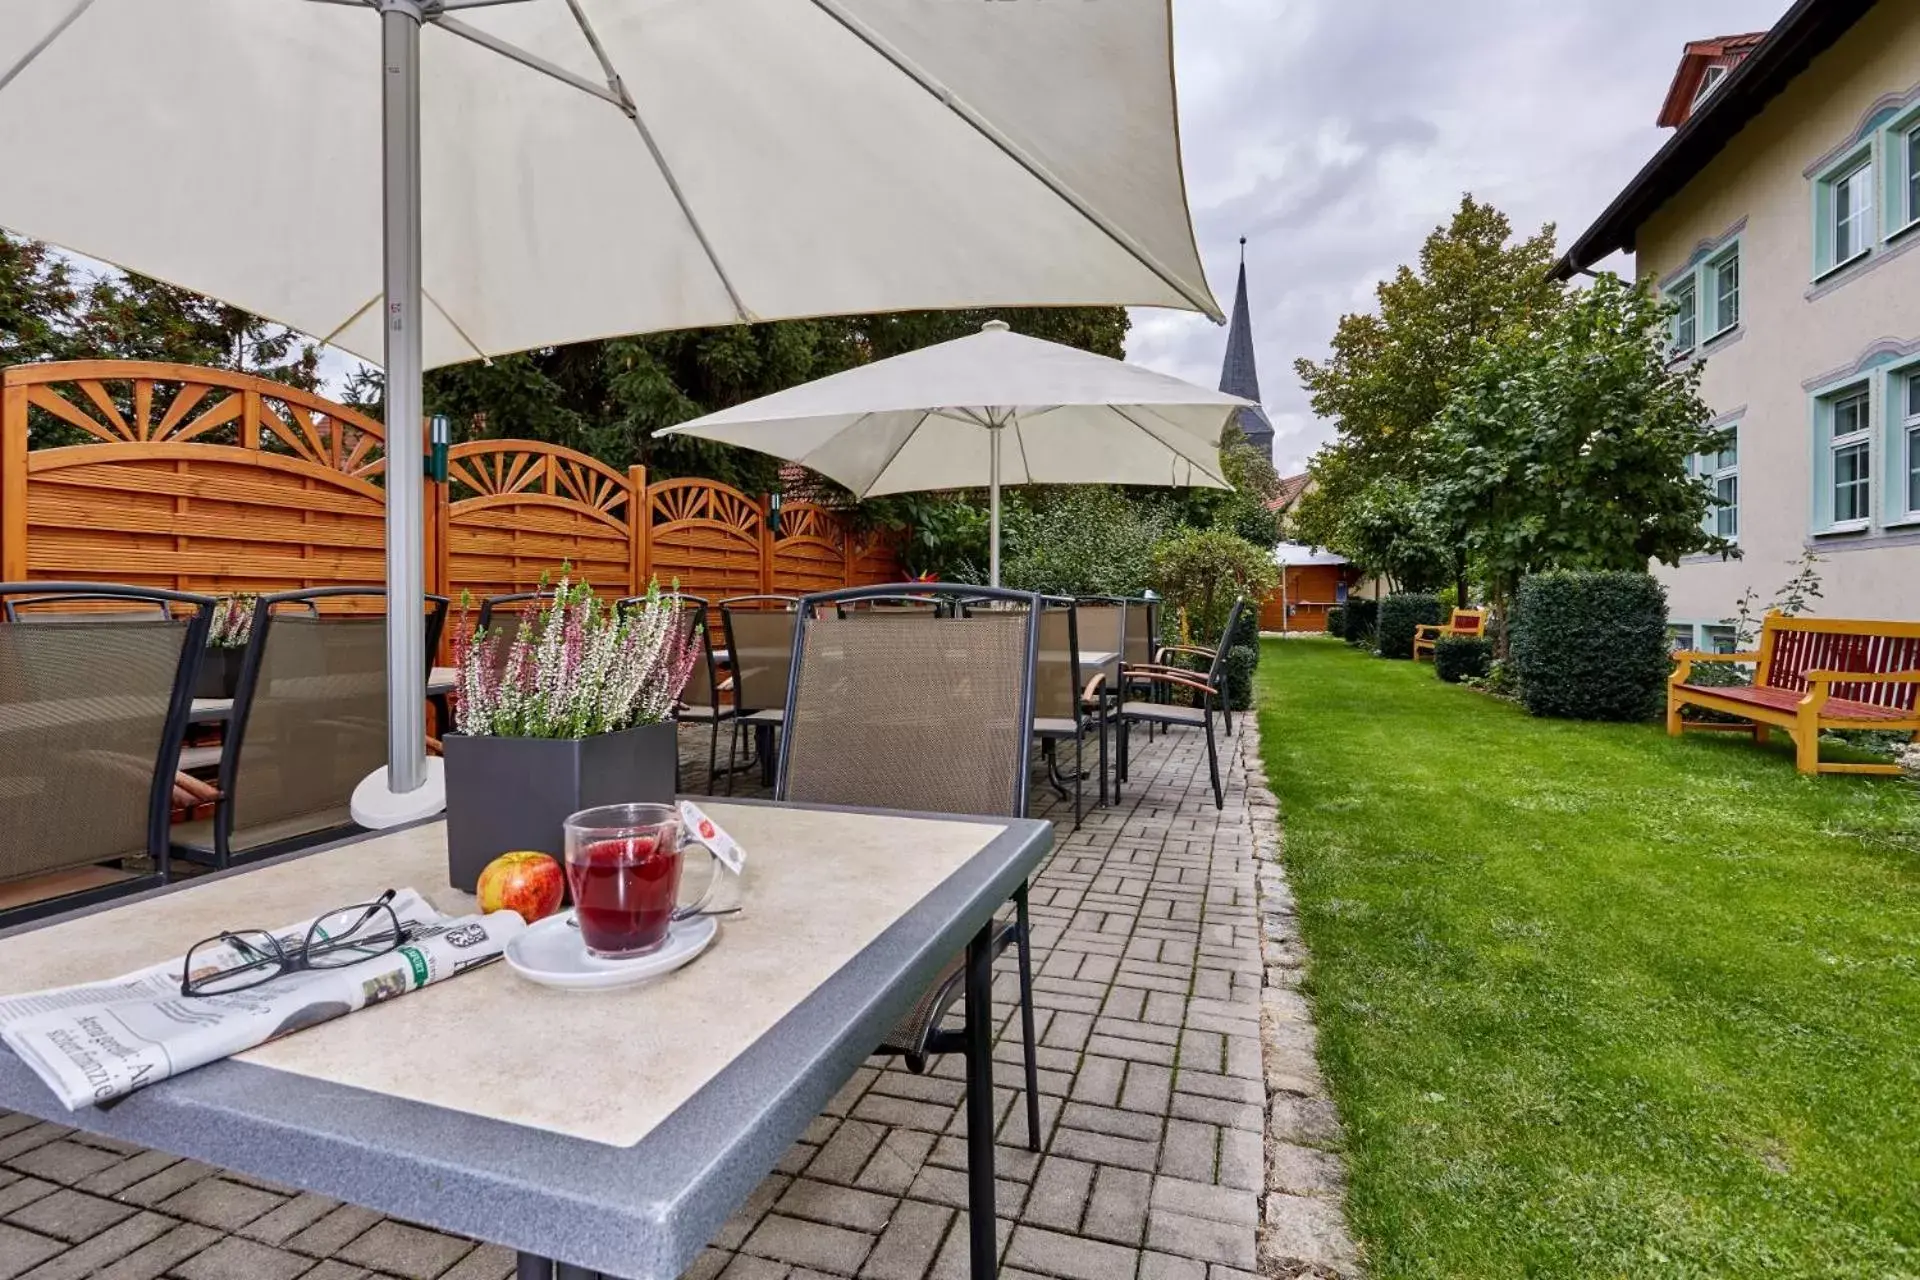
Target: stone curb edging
[1303,1226]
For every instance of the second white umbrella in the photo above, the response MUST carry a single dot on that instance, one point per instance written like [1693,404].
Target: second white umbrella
[991,409]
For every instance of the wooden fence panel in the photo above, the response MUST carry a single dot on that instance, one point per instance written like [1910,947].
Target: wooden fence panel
[520,510]
[210,481]
[708,537]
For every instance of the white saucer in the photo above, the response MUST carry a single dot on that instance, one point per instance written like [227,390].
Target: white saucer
[553,954]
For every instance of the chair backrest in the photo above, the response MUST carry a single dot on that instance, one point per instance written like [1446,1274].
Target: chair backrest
[1056,667]
[1468,622]
[1103,625]
[501,618]
[892,605]
[926,714]
[1142,633]
[310,714]
[759,649]
[1791,647]
[1219,665]
[85,606]
[92,709]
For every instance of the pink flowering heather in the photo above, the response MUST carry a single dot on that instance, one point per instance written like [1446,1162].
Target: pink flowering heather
[575,667]
[232,623]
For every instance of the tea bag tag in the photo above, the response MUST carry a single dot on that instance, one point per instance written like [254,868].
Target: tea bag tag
[713,836]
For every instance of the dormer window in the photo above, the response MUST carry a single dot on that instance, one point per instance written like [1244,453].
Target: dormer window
[1708,83]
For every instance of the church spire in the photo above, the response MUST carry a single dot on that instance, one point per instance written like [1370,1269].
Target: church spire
[1238,374]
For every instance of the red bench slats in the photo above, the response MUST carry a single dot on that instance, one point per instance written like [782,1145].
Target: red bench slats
[1788,699]
[1797,652]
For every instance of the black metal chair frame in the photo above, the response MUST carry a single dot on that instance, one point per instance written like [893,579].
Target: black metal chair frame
[1082,694]
[897,601]
[263,611]
[743,715]
[98,593]
[1209,687]
[166,763]
[491,603]
[974,978]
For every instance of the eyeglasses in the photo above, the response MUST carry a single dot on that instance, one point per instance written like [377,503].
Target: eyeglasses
[247,958]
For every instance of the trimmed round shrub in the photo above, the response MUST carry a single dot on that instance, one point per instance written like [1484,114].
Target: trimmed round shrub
[1362,615]
[1457,657]
[1400,614]
[1337,622]
[1590,645]
[1241,660]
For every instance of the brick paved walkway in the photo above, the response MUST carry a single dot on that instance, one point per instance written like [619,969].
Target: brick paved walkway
[1148,936]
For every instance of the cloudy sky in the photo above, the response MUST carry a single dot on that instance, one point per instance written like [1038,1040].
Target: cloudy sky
[1335,134]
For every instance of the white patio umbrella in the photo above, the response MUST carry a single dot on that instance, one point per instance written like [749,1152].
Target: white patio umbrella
[532,172]
[990,409]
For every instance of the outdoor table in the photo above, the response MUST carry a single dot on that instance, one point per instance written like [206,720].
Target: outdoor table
[613,1131]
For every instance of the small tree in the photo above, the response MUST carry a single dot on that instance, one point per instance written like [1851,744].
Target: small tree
[1567,446]
[1202,571]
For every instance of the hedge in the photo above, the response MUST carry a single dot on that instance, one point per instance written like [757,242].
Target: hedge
[1591,645]
[1400,614]
[1337,622]
[1457,657]
[1241,660]
[1246,632]
[1362,616]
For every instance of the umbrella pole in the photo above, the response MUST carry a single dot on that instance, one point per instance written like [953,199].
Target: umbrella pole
[993,491]
[407,789]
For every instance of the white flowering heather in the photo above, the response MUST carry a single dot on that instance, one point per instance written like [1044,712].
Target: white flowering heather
[575,668]
[232,622]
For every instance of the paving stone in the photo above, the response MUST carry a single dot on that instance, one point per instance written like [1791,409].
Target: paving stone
[1098,1081]
[743,1267]
[707,1266]
[1072,1257]
[1148,1089]
[220,1204]
[1117,1210]
[171,1180]
[1190,1150]
[23,1191]
[897,1162]
[334,1232]
[160,1255]
[488,1262]
[847,1152]
[907,1248]
[735,1230]
[809,1244]
[1060,1192]
[296,1215]
[37,1134]
[1311,1122]
[1143,1126]
[398,1249]
[1305,1230]
[232,1258]
[1303,1171]
[63,1161]
[332,1269]
[103,1248]
[70,1215]
[135,1168]
[1165,1266]
[1204,1200]
[839,1206]
[21,1251]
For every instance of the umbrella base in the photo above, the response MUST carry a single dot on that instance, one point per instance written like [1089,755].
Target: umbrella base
[376,806]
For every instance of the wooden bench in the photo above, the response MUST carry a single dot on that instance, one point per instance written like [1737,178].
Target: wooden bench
[1464,622]
[1812,674]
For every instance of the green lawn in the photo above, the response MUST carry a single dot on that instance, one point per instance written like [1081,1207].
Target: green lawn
[1595,1002]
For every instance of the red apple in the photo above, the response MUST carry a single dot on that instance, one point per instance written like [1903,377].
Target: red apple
[530,884]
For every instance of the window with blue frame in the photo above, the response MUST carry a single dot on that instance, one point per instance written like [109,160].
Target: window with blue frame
[1848,429]
[1686,321]
[1719,470]
[1723,292]
[1910,148]
[1910,440]
[1844,228]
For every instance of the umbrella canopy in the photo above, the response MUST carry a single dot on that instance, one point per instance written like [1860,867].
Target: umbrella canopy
[428,181]
[991,409]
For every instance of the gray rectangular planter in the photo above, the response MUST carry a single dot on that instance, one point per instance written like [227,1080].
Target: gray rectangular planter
[505,795]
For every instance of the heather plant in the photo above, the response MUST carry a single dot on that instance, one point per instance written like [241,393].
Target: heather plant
[232,624]
[575,667]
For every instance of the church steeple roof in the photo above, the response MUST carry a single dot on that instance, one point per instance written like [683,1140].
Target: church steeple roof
[1239,375]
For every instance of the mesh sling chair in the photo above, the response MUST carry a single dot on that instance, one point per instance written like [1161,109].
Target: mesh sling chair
[1066,700]
[700,700]
[892,604]
[93,704]
[863,729]
[1208,687]
[759,633]
[309,722]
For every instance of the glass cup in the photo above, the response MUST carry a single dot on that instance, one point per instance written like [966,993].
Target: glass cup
[623,865]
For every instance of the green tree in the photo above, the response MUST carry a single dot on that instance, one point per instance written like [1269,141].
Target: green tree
[1202,571]
[1566,446]
[38,299]
[1392,371]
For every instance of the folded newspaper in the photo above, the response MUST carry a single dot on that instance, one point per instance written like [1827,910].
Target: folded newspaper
[101,1040]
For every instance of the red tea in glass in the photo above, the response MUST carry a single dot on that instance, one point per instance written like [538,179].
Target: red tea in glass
[623,865]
